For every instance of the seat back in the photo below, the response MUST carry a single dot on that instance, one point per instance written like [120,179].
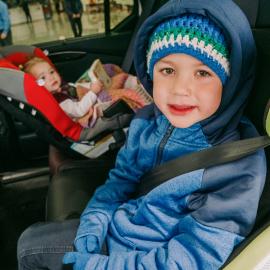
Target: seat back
[253,251]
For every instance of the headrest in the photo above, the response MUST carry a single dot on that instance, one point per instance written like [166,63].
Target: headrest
[263,18]
[20,54]
[257,12]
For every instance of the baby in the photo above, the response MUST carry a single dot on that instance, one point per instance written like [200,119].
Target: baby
[85,104]
[48,77]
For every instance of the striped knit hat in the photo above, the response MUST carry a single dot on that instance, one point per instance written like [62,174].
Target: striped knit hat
[194,35]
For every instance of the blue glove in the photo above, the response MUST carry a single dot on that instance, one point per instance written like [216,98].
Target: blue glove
[87,244]
[78,259]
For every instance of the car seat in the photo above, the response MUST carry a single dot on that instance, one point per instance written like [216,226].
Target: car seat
[253,252]
[61,150]
[33,105]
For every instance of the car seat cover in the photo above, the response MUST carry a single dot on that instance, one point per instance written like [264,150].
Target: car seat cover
[22,87]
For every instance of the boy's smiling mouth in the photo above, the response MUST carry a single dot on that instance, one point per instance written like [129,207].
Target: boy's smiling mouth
[180,109]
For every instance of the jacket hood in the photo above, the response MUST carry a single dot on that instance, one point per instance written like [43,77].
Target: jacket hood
[229,17]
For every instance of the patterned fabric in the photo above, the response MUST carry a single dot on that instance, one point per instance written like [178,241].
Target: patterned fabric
[67,92]
[192,34]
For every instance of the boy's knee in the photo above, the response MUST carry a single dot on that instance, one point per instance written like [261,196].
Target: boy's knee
[23,248]
[36,248]
[25,241]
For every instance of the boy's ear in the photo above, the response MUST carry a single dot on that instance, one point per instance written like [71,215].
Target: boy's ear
[267,118]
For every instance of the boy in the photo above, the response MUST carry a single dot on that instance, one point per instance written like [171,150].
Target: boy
[199,58]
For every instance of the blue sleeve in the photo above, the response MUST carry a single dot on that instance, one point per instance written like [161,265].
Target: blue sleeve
[118,188]
[5,18]
[195,247]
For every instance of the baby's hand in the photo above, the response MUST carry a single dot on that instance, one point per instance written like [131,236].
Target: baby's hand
[81,91]
[96,87]
[118,80]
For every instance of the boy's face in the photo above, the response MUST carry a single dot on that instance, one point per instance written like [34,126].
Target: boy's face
[43,71]
[185,90]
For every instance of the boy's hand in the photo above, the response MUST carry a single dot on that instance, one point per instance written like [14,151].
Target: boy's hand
[118,80]
[96,87]
[87,244]
[79,260]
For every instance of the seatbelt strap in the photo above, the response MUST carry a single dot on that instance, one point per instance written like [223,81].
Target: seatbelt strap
[198,160]
[147,10]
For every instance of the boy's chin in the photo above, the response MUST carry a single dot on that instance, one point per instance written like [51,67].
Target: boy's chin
[181,124]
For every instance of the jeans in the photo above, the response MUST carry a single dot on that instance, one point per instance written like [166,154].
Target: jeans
[42,245]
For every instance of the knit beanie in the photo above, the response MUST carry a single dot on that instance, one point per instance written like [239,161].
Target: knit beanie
[194,35]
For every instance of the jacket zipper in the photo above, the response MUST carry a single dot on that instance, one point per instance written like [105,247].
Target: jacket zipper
[163,143]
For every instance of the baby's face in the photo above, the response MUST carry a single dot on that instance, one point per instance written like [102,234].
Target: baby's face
[43,71]
[185,90]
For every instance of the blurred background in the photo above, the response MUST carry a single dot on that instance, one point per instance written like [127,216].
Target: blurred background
[46,20]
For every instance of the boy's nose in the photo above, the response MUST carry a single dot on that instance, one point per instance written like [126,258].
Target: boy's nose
[181,86]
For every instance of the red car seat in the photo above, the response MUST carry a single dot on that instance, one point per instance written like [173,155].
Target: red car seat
[33,105]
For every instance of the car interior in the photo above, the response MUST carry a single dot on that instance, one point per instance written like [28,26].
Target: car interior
[42,182]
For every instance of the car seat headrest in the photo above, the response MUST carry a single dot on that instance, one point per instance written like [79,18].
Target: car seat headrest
[263,18]
[250,8]
[20,54]
[257,12]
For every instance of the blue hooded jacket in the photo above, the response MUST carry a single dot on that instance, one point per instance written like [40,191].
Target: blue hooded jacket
[195,220]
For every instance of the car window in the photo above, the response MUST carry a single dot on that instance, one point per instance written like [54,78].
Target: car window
[34,22]
[120,9]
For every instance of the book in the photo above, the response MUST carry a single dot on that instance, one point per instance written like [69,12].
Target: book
[128,98]
[97,73]
[132,92]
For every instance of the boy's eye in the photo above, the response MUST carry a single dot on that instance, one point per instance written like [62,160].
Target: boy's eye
[203,73]
[167,71]
[52,71]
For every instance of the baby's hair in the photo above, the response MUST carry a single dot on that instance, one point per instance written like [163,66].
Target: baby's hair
[33,61]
